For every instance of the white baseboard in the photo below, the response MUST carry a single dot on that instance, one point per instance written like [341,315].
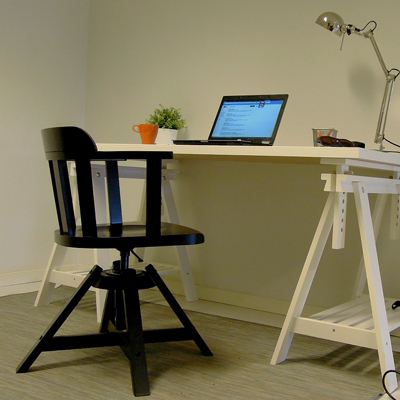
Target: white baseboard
[29,281]
[20,282]
[235,299]
[213,301]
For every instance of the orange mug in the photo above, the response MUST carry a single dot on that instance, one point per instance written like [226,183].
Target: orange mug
[148,132]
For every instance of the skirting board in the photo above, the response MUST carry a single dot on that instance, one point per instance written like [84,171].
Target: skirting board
[243,300]
[29,281]
[20,282]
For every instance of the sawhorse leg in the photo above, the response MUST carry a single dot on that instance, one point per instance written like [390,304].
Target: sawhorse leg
[368,241]
[186,272]
[377,301]
[55,263]
[305,281]
[46,289]
[58,254]
[187,277]
[361,279]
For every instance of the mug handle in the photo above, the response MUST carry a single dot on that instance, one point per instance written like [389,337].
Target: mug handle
[138,128]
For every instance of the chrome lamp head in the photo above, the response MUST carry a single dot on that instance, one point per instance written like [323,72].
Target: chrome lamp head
[331,21]
[334,23]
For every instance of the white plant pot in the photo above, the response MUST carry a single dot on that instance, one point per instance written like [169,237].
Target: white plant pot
[166,136]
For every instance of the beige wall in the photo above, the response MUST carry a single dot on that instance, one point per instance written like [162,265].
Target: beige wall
[188,54]
[43,48]
[258,219]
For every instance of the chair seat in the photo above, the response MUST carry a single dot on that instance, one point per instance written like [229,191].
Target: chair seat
[129,236]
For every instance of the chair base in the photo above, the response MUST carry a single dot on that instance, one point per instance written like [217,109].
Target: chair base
[121,323]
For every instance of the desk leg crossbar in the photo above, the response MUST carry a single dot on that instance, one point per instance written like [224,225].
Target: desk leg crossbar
[356,328]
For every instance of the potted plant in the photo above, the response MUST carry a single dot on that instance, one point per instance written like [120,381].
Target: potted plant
[169,121]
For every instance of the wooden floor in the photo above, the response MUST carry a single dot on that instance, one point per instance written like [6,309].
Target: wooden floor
[239,370]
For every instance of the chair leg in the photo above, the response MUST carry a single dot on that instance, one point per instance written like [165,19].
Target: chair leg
[162,287]
[136,349]
[108,312]
[122,314]
[44,341]
[113,312]
[134,346]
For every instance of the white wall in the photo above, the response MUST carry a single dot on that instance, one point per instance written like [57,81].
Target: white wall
[188,54]
[43,44]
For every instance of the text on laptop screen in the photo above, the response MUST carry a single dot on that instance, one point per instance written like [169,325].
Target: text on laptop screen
[243,119]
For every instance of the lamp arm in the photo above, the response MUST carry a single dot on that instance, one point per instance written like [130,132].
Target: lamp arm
[387,95]
[370,35]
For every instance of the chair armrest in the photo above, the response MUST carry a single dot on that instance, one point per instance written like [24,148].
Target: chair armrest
[132,155]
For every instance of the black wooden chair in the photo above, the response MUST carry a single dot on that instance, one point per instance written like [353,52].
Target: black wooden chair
[121,324]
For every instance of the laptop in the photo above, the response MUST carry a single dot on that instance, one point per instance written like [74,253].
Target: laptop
[245,121]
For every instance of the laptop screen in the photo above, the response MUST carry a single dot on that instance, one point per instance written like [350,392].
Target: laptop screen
[249,117]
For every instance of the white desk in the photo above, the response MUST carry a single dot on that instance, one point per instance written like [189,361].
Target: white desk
[365,320]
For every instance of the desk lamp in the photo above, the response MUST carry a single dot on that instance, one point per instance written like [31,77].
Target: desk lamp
[334,23]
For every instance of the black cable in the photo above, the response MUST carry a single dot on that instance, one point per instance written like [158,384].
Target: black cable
[370,22]
[372,30]
[383,382]
[392,143]
[395,69]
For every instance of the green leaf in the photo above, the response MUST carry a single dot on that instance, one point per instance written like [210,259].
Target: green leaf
[169,118]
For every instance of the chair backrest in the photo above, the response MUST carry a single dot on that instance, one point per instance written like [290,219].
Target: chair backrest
[66,144]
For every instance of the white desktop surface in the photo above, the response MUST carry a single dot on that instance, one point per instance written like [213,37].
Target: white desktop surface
[289,154]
